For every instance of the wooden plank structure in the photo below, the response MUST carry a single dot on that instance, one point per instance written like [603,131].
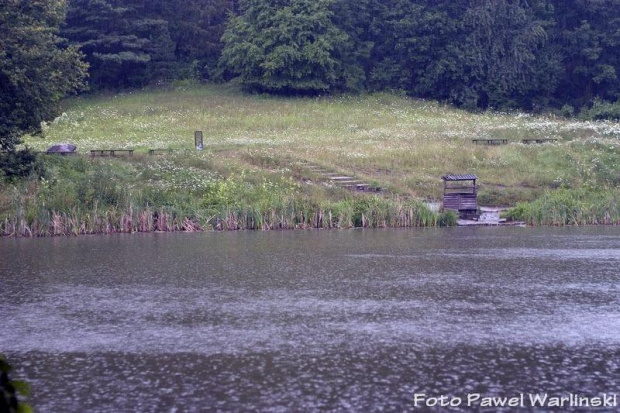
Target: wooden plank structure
[547,140]
[110,152]
[160,151]
[460,195]
[490,141]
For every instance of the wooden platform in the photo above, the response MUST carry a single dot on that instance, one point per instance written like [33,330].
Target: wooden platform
[110,152]
[490,141]
[539,141]
[160,151]
[489,217]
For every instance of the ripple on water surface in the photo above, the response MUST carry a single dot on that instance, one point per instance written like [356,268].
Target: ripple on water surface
[344,320]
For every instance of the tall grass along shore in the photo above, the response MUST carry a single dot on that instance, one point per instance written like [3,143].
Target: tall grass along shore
[254,172]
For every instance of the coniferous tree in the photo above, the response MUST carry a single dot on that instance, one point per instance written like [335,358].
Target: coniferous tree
[285,46]
[503,43]
[355,18]
[196,28]
[125,46]
[474,53]
[420,48]
[588,37]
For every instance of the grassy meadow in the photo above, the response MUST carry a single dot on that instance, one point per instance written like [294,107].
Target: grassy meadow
[254,170]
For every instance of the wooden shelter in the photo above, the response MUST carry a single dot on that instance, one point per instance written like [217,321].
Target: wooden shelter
[460,194]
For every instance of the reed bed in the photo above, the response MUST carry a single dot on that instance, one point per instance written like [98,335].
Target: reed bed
[570,207]
[82,196]
[296,214]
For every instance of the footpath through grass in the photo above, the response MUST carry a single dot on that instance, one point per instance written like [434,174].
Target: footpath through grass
[252,175]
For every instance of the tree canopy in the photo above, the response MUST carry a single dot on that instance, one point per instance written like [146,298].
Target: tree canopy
[533,55]
[36,68]
[124,45]
[285,46]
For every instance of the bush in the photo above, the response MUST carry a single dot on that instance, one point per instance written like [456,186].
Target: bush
[20,164]
[602,110]
[9,390]
[567,111]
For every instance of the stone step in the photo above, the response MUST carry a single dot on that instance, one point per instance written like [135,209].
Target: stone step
[342,181]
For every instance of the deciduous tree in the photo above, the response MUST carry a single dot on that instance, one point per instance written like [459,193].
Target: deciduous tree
[37,69]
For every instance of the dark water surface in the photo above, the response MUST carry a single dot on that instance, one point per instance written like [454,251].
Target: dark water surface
[312,320]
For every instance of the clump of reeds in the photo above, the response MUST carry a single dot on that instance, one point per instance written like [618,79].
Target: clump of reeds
[570,207]
[290,213]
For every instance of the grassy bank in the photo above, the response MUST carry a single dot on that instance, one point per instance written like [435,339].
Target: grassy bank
[253,173]
[83,196]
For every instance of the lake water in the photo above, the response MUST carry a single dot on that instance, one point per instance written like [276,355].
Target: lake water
[312,320]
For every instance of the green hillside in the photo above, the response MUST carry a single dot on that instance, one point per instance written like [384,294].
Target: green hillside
[262,154]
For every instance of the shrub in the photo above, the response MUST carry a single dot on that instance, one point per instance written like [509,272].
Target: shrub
[19,164]
[602,110]
[9,390]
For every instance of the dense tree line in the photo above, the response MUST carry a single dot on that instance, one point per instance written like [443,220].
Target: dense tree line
[37,69]
[131,43]
[529,54]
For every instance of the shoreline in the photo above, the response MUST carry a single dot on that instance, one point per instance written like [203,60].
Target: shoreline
[510,224]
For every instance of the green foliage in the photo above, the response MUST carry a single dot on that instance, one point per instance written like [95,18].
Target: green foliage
[504,196]
[285,46]
[502,54]
[77,184]
[36,70]
[125,45]
[354,17]
[601,110]
[9,390]
[237,191]
[80,196]
[485,53]
[588,34]
[402,145]
[196,27]
[570,207]
[567,111]
[504,43]
[418,47]
[19,164]
[448,218]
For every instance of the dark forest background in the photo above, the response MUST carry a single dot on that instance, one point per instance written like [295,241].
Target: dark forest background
[502,54]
